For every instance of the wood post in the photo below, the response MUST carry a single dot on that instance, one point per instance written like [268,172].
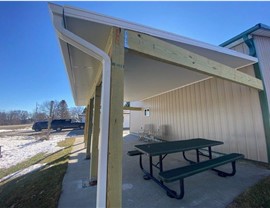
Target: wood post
[89,127]
[86,124]
[95,139]
[114,172]
[50,120]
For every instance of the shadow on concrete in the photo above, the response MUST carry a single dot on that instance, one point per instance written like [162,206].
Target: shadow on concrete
[75,132]
[202,190]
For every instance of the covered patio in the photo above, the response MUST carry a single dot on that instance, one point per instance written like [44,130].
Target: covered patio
[110,61]
[138,193]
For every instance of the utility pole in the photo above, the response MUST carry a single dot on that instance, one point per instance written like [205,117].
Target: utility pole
[36,111]
[50,120]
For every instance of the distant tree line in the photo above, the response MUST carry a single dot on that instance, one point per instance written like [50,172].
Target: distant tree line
[15,117]
[60,111]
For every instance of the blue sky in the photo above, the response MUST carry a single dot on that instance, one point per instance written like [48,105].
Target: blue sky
[32,70]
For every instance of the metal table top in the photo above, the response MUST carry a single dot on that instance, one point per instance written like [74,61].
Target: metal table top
[162,148]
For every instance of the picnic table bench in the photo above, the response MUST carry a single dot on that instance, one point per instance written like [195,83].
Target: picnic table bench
[189,170]
[134,153]
[195,167]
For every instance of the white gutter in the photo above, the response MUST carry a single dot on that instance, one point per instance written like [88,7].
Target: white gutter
[97,53]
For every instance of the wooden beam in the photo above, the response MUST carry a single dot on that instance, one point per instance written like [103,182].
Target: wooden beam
[95,139]
[170,53]
[86,125]
[89,116]
[114,172]
[132,108]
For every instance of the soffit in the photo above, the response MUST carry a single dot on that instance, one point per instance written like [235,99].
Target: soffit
[143,77]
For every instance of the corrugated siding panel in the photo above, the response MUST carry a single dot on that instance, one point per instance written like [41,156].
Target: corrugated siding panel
[262,45]
[214,109]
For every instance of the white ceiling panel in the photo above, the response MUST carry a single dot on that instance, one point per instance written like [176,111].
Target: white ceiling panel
[143,76]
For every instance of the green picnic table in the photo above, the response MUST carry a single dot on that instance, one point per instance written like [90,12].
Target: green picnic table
[162,149]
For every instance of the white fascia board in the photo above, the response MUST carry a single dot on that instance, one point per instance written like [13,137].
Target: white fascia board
[111,21]
[57,12]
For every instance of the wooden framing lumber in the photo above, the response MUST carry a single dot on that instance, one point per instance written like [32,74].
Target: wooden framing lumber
[95,139]
[86,125]
[166,52]
[114,171]
[132,108]
[89,116]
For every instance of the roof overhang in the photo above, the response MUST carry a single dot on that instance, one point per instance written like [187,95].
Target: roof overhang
[257,30]
[144,76]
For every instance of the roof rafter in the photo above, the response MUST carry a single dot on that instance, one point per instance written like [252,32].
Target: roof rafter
[166,52]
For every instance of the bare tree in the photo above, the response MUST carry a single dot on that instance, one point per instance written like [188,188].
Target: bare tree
[76,112]
[3,118]
[15,117]
[24,117]
[39,116]
[61,110]
[44,109]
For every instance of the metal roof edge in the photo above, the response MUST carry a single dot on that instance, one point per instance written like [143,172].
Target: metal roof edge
[247,32]
[57,11]
[108,20]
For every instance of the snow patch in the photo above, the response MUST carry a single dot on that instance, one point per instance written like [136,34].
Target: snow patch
[4,130]
[16,149]
[22,172]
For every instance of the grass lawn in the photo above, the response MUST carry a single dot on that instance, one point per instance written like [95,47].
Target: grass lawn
[40,188]
[257,196]
[33,160]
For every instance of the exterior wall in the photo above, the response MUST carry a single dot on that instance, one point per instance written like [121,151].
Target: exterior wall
[126,119]
[262,45]
[213,109]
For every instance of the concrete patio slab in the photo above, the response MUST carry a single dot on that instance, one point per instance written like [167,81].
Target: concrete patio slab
[201,190]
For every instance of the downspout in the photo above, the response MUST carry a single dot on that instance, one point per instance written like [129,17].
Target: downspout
[103,57]
[262,94]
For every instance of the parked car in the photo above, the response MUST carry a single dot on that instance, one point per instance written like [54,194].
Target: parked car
[59,124]
[39,125]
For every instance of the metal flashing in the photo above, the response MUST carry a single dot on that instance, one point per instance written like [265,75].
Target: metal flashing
[111,21]
[262,95]
[95,29]
[245,33]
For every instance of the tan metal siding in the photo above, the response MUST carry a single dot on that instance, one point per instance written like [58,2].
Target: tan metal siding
[262,45]
[136,118]
[214,109]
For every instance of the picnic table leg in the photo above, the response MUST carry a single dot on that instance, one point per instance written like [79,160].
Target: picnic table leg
[151,165]
[148,176]
[173,194]
[210,152]
[160,163]
[225,174]
[209,155]
[185,157]
[198,155]
[160,166]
